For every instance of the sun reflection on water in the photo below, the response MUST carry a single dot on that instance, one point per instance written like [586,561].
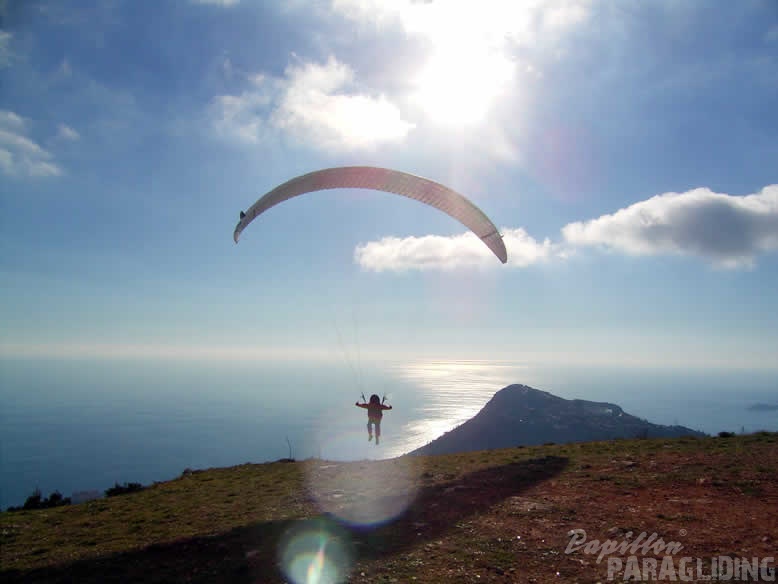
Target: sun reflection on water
[452,393]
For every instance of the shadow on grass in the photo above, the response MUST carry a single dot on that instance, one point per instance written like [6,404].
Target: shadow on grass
[251,553]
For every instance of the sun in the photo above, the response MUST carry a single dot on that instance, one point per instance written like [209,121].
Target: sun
[459,84]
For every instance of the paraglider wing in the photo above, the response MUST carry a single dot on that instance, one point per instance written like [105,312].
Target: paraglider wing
[390,181]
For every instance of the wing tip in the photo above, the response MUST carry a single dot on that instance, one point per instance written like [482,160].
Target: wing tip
[238,228]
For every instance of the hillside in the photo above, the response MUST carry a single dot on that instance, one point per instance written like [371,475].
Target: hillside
[492,516]
[519,415]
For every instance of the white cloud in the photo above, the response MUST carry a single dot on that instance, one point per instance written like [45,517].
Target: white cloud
[434,252]
[11,121]
[729,231]
[473,78]
[771,36]
[6,161]
[524,250]
[523,32]
[243,117]
[217,2]
[495,21]
[21,156]
[65,132]
[314,103]
[5,49]
[21,144]
[65,70]
[477,64]
[317,106]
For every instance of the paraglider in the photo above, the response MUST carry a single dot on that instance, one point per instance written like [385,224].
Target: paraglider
[382,179]
[375,412]
[390,181]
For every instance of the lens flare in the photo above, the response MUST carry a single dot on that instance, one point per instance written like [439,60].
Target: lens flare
[315,551]
[365,493]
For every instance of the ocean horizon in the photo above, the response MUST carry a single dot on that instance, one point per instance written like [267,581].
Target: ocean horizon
[83,425]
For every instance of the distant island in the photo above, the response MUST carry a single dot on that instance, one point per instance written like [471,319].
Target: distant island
[519,415]
[763,408]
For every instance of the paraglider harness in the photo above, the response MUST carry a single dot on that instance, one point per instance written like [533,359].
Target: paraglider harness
[376,414]
[364,401]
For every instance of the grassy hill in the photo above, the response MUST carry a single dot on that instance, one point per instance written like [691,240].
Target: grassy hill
[519,414]
[490,516]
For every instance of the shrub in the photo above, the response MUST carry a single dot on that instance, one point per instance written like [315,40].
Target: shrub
[36,501]
[124,489]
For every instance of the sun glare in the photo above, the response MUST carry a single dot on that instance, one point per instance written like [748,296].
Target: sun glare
[467,69]
[458,85]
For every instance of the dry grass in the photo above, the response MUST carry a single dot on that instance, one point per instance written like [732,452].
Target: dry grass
[493,516]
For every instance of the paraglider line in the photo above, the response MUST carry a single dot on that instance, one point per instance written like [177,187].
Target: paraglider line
[346,356]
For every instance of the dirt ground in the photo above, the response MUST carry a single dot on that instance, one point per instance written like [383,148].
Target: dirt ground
[656,510]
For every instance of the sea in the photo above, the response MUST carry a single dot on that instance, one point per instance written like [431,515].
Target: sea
[79,425]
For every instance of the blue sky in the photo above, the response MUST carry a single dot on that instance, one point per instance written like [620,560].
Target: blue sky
[627,150]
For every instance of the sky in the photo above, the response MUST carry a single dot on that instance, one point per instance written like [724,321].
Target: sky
[625,149]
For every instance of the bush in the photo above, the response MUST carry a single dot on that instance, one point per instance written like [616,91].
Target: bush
[124,489]
[36,501]
[726,434]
